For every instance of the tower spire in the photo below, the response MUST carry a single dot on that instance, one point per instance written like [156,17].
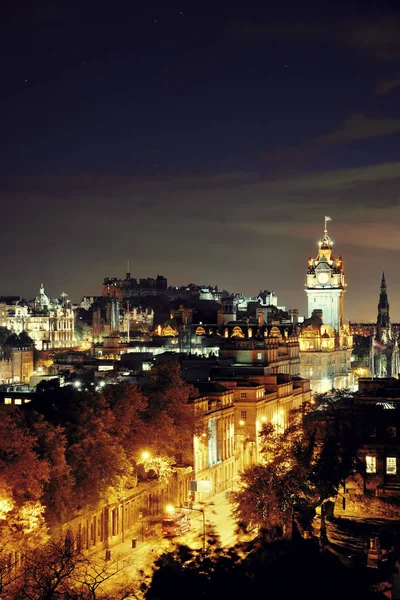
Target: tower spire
[325,228]
[325,242]
[383,320]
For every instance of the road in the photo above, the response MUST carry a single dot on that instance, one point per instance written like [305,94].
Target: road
[134,564]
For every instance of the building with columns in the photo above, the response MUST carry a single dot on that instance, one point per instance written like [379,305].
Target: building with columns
[325,340]
[50,323]
[214,448]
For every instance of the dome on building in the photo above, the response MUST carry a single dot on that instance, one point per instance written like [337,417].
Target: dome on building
[42,302]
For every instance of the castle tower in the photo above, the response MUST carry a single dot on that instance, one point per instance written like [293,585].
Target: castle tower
[325,285]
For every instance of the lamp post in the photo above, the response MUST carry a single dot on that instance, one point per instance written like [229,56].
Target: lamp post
[141,519]
[322,533]
[201,510]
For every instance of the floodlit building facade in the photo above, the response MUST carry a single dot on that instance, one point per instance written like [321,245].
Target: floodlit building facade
[50,323]
[214,447]
[325,341]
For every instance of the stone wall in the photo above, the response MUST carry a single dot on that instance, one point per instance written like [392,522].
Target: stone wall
[132,516]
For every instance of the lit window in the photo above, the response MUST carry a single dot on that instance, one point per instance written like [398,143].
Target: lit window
[259,355]
[391,465]
[370,464]
[243,415]
[243,395]
[7,401]
[17,401]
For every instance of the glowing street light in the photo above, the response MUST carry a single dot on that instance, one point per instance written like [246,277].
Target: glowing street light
[145,455]
[170,509]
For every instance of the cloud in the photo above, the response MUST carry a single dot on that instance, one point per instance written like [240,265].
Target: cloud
[376,36]
[379,229]
[360,127]
[356,128]
[385,87]
[345,178]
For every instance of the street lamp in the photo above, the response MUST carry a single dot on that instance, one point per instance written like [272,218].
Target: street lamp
[141,519]
[170,509]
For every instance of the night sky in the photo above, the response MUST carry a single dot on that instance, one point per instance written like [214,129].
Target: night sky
[204,143]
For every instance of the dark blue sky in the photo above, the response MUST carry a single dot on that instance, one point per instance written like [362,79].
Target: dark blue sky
[204,143]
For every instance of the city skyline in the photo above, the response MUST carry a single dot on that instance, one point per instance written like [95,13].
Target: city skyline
[204,146]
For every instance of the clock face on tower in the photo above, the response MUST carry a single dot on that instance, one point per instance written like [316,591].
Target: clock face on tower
[323,277]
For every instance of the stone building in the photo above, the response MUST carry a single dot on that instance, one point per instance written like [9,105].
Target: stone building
[131,287]
[376,410]
[245,341]
[325,341]
[50,323]
[214,449]
[16,363]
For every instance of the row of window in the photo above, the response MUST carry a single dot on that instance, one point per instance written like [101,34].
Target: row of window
[16,400]
[390,431]
[259,394]
[391,465]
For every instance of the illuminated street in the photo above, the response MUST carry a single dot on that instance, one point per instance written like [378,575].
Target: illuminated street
[133,562]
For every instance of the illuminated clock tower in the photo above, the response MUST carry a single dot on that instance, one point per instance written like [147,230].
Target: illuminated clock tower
[325,284]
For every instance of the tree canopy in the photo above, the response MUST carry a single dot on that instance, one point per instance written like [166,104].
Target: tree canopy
[23,475]
[301,467]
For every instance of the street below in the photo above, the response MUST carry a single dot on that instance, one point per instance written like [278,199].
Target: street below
[135,564]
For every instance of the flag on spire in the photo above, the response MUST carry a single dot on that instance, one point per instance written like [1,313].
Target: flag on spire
[326,220]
